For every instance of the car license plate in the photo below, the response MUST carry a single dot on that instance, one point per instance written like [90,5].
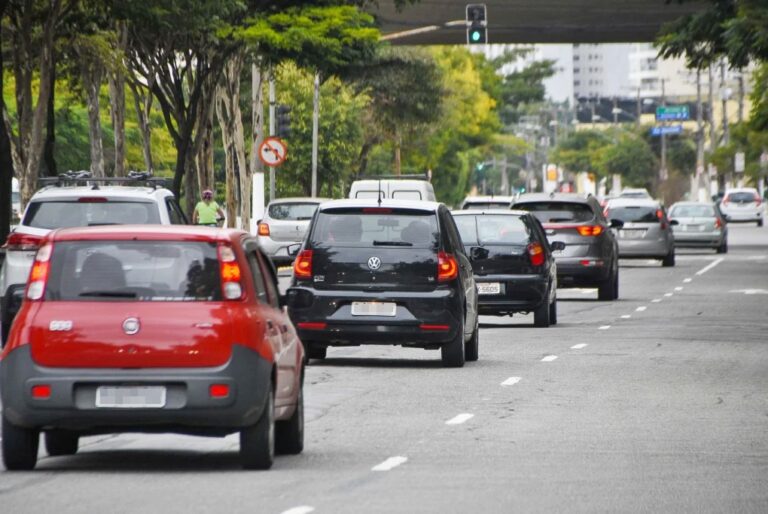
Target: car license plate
[374,308]
[130,397]
[488,288]
[631,234]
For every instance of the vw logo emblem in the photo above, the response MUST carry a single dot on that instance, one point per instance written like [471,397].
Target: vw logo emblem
[374,263]
[131,326]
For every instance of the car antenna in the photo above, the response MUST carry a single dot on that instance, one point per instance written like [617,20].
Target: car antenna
[379,193]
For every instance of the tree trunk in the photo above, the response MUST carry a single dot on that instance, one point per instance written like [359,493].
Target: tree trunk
[92,74]
[6,158]
[49,158]
[224,115]
[142,102]
[117,101]
[205,157]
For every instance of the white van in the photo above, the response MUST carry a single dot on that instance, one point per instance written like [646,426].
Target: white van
[406,187]
[15,201]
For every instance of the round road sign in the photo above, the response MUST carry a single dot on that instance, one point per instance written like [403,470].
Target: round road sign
[273,151]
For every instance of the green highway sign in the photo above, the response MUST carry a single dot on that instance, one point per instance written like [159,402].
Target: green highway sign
[673,112]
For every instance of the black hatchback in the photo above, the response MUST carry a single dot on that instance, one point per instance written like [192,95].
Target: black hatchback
[513,263]
[390,273]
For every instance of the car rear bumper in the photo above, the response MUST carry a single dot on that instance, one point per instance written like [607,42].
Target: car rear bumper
[189,407]
[582,271]
[656,248]
[707,239]
[422,319]
[518,293]
[744,216]
[277,250]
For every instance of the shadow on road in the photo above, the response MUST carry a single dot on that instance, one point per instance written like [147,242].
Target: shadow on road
[144,461]
[376,362]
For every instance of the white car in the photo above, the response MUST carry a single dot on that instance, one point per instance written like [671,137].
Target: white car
[393,187]
[742,205]
[487,202]
[635,192]
[284,224]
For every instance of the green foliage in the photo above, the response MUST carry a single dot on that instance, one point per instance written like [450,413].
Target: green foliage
[759,96]
[580,150]
[743,139]
[632,158]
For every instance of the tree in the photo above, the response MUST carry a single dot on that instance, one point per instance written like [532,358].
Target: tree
[6,157]
[630,157]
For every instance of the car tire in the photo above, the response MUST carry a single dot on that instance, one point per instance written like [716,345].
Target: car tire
[609,289]
[553,312]
[257,442]
[452,353]
[541,314]
[723,248]
[289,434]
[759,223]
[315,351]
[472,348]
[20,447]
[669,260]
[59,442]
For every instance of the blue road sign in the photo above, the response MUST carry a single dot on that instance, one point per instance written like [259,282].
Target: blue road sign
[672,112]
[666,130]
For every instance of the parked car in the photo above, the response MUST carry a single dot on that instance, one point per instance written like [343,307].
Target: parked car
[743,205]
[514,268]
[487,202]
[285,223]
[394,187]
[390,272]
[591,254]
[699,225]
[646,232]
[157,329]
[76,201]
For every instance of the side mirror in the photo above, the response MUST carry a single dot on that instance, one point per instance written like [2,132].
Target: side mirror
[557,246]
[477,253]
[674,222]
[293,250]
[614,223]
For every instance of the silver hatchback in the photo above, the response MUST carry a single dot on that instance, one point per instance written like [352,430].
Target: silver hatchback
[285,223]
[646,232]
[700,225]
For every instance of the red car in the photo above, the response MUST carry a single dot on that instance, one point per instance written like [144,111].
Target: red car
[151,329]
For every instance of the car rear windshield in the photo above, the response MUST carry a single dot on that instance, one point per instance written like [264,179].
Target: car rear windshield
[692,211]
[742,197]
[292,211]
[157,271]
[634,214]
[375,227]
[492,230]
[558,212]
[474,206]
[87,212]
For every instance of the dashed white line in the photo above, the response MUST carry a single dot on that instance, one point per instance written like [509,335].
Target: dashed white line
[668,294]
[710,266]
[687,280]
[549,358]
[461,418]
[626,316]
[579,346]
[390,463]
[679,288]
[656,300]
[511,381]
[304,509]
[641,308]
[604,327]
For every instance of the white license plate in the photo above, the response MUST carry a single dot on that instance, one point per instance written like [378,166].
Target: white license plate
[488,288]
[632,234]
[374,308]
[130,397]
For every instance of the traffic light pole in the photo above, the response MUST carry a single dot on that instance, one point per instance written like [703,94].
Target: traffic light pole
[315,129]
[271,129]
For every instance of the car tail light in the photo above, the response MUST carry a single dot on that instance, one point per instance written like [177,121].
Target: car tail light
[218,390]
[229,270]
[377,210]
[312,325]
[302,266]
[41,391]
[21,242]
[590,230]
[536,254]
[263,229]
[92,199]
[718,223]
[447,267]
[434,328]
[38,275]
[660,217]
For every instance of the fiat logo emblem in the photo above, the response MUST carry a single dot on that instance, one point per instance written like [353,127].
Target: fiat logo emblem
[131,326]
[374,263]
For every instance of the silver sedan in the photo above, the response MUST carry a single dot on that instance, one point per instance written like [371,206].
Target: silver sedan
[700,225]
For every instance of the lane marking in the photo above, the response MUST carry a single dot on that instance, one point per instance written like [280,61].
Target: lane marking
[461,418]
[656,300]
[304,509]
[626,316]
[668,294]
[549,358]
[511,381]
[579,346]
[750,291]
[604,327]
[390,463]
[641,308]
[687,280]
[710,266]
[679,288]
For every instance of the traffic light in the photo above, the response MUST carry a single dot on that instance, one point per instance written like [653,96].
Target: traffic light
[283,121]
[477,23]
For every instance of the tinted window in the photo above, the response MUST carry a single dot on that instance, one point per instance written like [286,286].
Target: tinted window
[742,197]
[634,214]
[292,211]
[405,194]
[374,227]
[486,205]
[490,229]
[268,272]
[62,214]
[174,212]
[558,212]
[692,211]
[134,271]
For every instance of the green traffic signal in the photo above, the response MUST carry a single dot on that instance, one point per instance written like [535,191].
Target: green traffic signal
[475,36]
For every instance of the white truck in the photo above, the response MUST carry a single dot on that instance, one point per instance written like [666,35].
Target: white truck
[395,187]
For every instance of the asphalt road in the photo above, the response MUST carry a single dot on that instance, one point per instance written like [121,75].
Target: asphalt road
[657,402]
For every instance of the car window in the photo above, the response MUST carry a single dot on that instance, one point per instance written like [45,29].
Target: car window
[692,211]
[268,273]
[292,211]
[89,212]
[558,212]
[174,212]
[452,232]
[490,229]
[369,227]
[406,194]
[741,197]
[134,271]
[257,277]
[635,214]
[370,194]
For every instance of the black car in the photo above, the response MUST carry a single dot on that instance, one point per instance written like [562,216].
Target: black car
[591,255]
[390,272]
[512,261]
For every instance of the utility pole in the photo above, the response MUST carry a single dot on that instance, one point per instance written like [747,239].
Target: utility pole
[639,108]
[699,136]
[711,102]
[272,125]
[315,124]
[741,96]
[663,170]
[724,97]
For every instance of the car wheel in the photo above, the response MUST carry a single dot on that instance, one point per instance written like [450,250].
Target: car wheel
[19,447]
[609,289]
[723,248]
[553,313]
[541,314]
[289,434]
[59,442]
[760,223]
[472,348]
[315,351]
[452,353]
[257,442]
[669,260]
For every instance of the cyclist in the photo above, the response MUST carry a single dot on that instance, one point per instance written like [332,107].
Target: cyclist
[207,211]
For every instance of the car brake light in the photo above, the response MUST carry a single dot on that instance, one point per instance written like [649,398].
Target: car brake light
[41,391]
[302,266]
[377,210]
[437,328]
[92,199]
[22,242]
[718,223]
[312,325]
[536,254]
[38,275]
[229,271]
[590,230]
[447,267]
[218,390]
[263,229]
[660,217]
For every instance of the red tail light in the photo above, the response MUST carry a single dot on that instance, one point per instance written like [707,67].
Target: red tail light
[92,199]
[19,242]
[718,223]
[302,266]
[38,275]
[312,325]
[229,271]
[41,391]
[263,229]
[590,230]
[447,267]
[218,390]
[660,217]
[376,210]
[436,328]
[536,254]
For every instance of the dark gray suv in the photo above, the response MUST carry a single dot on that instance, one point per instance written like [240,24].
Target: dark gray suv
[591,254]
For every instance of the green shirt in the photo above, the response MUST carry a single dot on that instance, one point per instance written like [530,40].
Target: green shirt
[206,213]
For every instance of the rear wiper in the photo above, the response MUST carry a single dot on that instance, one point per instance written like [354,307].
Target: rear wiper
[109,294]
[392,243]
[102,224]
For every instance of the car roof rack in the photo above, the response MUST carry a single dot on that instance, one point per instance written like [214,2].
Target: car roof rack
[84,178]
[412,176]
